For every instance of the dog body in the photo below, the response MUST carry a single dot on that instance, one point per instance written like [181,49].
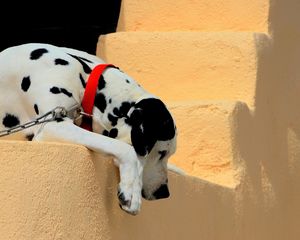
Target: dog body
[128,122]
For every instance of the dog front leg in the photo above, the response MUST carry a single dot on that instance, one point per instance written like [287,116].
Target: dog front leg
[130,167]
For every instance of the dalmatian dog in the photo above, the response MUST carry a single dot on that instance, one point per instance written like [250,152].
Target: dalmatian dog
[126,122]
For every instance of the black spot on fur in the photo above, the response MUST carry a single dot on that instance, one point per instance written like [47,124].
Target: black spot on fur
[162,154]
[123,109]
[36,109]
[25,83]
[30,136]
[59,61]
[10,120]
[127,81]
[105,133]
[101,83]
[66,92]
[55,90]
[109,101]
[116,111]
[112,119]
[100,102]
[37,53]
[82,80]
[83,61]
[113,133]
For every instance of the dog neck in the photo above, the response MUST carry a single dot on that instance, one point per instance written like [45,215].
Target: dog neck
[88,99]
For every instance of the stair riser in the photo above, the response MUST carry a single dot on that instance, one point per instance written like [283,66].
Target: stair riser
[191,15]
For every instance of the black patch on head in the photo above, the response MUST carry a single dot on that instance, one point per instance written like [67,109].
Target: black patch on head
[100,102]
[82,80]
[112,119]
[37,53]
[25,83]
[36,109]
[151,121]
[113,133]
[127,81]
[10,120]
[30,136]
[83,61]
[66,92]
[55,90]
[59,61]
[101,83]
[162,154]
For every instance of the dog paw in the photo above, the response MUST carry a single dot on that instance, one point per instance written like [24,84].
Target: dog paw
[129,201]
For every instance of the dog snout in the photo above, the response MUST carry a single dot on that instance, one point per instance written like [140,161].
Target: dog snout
[162,192]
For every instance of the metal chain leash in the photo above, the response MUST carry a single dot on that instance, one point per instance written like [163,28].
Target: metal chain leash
[53,115]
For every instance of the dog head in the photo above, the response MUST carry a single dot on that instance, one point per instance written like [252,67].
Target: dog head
[153,136]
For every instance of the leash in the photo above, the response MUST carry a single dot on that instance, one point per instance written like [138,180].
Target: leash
[90,93]
[55,114]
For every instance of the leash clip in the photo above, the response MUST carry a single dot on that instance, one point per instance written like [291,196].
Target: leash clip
[74,112]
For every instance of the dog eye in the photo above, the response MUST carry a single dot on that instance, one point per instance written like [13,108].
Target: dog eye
[162,154]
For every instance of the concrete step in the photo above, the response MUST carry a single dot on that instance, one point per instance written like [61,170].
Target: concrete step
[188,65]
[207,139]
[194,15]
[64,191]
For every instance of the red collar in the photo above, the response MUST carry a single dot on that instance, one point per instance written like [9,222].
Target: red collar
[90,93]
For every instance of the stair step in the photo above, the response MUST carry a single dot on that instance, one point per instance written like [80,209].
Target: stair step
[64,191]
[188,65]
[191,15]
[206,139]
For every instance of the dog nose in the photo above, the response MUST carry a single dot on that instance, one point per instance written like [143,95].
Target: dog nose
[162,192]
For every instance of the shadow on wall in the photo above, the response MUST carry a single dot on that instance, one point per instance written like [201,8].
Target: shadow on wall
[269,137]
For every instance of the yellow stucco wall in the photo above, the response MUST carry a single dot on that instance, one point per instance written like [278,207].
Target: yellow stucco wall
[236,104]
[194,15]
[187,65]
[64,191]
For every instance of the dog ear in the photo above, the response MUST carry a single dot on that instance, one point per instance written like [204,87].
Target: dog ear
[142,138]
[151,121]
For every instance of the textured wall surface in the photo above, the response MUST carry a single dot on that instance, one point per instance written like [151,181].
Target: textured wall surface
[194,15]
[187,65]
